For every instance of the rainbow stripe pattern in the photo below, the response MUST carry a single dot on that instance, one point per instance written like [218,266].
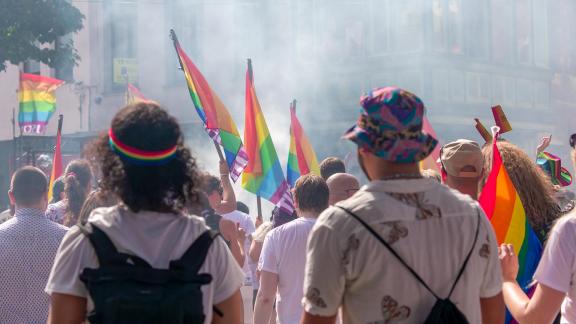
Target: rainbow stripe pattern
[216,118]
[263,175]
[37,102]
[133,95]
[504,209]
[301,157]
[137,156]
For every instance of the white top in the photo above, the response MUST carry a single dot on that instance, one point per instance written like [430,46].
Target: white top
[429,225]
[155,237]
[28,244]
[284,253]
[557,268]
[247,225]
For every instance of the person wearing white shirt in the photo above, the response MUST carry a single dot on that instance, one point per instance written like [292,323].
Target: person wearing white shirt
[283,256]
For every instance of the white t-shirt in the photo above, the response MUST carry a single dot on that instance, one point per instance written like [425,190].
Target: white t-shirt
[429,225]
[284,253]
[557,268]
[157,238]
[247,225]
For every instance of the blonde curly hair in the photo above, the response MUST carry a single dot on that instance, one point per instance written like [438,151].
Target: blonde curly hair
[533,185]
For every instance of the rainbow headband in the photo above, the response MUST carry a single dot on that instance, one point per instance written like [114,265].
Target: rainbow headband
[138,156]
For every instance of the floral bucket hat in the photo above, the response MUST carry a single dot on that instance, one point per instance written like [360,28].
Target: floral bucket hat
[390,126]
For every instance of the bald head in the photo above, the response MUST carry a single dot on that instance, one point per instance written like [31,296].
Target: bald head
[342,186]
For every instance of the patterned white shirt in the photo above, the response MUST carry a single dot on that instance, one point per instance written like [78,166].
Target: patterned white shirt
[28,245]
[429,225]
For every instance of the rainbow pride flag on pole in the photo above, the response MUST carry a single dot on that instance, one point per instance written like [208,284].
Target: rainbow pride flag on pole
[216,118]
[263,176]
[133,95]
[57,167]
[37,102]
[502,205]
[301,158]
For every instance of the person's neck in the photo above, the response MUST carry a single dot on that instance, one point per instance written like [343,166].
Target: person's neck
[470,190]
[39,208]
[308,214]
[391,170]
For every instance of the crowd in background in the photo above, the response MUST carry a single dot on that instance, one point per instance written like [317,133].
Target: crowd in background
[397,249]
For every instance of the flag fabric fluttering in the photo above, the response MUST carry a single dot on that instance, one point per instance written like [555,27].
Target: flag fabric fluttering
[37,102]
[504,209]
[263,175]
[133,95]
[483,131]
[430,162]
[57,167]
[301,157]
[216,118]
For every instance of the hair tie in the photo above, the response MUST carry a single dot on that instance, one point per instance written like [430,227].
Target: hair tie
[139,156]
[71,174]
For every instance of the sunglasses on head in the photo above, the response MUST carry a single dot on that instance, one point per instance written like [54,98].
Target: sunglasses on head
[573,140]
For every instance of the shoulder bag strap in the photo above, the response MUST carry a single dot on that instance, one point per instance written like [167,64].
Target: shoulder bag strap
[106,251]
[468,256]
[379,238]
[193,259]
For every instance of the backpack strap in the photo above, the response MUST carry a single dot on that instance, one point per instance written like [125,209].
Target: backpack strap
[106,252]
[381,240]
[194,257]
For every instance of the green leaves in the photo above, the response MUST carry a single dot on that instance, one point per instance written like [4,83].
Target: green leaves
[30,28]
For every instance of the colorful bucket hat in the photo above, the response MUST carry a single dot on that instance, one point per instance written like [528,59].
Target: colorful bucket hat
[390,126]
[552,165]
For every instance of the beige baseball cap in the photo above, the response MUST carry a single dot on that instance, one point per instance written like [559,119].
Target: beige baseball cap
[462,158]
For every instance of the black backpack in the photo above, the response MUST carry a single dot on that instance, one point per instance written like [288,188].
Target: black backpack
[444,311]
[126,289]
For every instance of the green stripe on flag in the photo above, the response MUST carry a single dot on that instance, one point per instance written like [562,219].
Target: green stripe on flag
[39,106]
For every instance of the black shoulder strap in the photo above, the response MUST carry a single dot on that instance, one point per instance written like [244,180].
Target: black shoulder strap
[381,240]
[194,257]
[106,251]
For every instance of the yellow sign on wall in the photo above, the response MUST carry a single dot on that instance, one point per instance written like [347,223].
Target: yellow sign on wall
[125,70]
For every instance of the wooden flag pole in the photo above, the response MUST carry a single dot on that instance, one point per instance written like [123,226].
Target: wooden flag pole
[259,204]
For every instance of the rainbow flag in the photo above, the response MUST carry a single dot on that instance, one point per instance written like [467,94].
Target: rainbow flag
[216,118]
[133,95]
[57,160]
[263,176]
[37,102]
[504,209]
[301,158]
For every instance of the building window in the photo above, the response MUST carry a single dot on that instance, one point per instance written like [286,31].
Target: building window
[342,35]
[395,26]
[477,29]
[477,87]
[447,26]
[503,38]
[123,62]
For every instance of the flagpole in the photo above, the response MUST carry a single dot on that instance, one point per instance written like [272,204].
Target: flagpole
[174,42]
[13,140]
[259,205]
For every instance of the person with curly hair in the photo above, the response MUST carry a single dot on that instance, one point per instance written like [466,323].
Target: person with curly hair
[77,180]
[534,187]
[145,164]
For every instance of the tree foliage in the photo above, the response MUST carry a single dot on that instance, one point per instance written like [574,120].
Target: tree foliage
[32,30]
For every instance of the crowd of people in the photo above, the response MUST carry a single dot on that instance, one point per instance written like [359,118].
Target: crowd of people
[136,233]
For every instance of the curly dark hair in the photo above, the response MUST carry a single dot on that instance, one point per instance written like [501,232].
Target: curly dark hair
[77,178]
[162,188]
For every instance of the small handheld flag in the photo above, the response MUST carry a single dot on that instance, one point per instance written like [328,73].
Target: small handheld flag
[263,175]
[506,213]
[133,95]
[216,118]
[301,157]
[483,131]
[37,102]
[57,167]
[501,120]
